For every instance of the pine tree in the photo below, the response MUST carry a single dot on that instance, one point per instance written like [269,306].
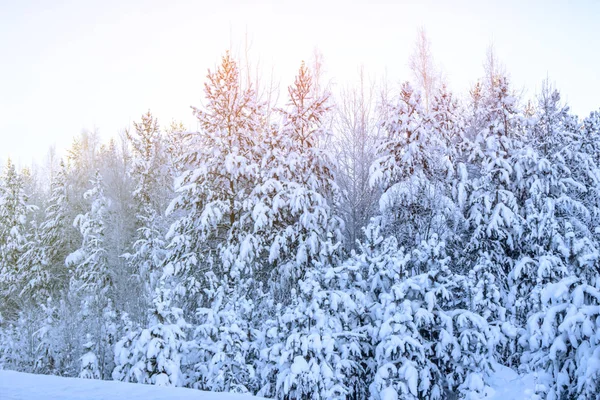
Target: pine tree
[150,198]
[48,356]
[426,340]
[547,191]
[93,279]
[408,169]
[212,244]
[91,270]
[564,339]
[301,239]
[14,211]
[492,209]
[224,168]
[34,272]
[315,347]
[153,355]
[561,339]
[57,233]
[296,217]
[224,340]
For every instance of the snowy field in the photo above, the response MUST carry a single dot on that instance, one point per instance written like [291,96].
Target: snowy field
[22,386]
[506,385]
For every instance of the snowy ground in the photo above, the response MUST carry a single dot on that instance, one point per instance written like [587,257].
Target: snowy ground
[21,386]
[508,385]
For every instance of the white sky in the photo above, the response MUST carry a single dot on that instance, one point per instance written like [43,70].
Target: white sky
[72,65]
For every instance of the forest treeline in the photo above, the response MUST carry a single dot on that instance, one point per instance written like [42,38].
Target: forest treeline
[367,244]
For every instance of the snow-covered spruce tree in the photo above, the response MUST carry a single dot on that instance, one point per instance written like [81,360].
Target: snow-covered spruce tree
[411,169]
[447,121]
[58,234]
[315,347]
[550,207]
[294,217]
[92,280]
[563,340]
[91,273]
[224,345]
[153,355]
[212,243]
[585,162]
[492,210]
[33,287]
[20,342]
[14,211]
[36,278]
[48,357]
[89,361]
[426,340]
[176,146]
[309,347]
[46,279]
[150,196]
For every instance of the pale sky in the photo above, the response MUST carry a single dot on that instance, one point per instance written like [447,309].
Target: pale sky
[72,65]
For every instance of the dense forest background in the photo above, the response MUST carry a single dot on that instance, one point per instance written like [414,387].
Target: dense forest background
[369,242]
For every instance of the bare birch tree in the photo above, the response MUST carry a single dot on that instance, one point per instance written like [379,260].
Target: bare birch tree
[422,65]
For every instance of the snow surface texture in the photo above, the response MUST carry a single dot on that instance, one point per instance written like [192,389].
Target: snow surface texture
[22,386]
[505,384]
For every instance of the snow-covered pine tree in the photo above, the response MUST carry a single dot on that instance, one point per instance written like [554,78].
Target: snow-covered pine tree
[89,360]
[492,211]
[212,194]
[309,347]
[296,213]
[587,142]
[57,232]
[563,340]
[315,347]
[35,278]
[151,194]
[426,341]
[91,271]
[14,211]
[92,280]
[212,243]
[549,197]
[448,127]
[48,356]
[224,348]
[153,355]
[176,146]
[20,341]
[412,166]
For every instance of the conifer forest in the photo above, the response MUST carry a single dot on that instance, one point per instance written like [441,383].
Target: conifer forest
[396,241]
